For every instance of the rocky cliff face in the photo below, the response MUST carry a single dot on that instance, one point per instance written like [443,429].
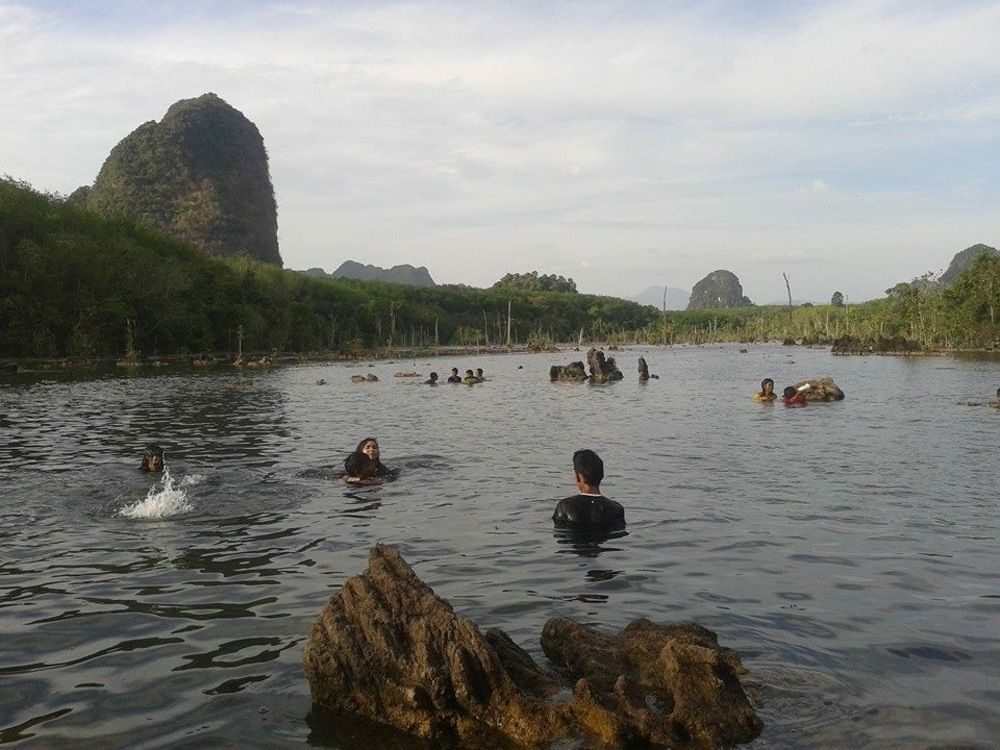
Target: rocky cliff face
[199,175]
[718,289]
[961,261]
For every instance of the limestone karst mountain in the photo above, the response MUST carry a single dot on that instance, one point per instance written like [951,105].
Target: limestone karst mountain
[200,175]
[961,261]
[402,274]
[719,289]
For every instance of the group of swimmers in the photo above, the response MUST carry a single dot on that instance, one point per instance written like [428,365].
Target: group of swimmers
[471,378]
[589,509]
[791,396]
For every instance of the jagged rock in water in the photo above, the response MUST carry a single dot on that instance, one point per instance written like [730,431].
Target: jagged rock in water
[602,370]
[387,648]
[644,371]
[574,372]
[200,175]
[823,389]
[718,289]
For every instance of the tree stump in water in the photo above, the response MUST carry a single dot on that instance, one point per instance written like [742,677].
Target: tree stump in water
[602,370]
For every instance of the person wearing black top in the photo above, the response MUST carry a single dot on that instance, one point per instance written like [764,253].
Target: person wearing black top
[589,509]
[363,465]
[454,377]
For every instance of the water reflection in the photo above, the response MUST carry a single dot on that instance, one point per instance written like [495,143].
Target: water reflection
[588,542]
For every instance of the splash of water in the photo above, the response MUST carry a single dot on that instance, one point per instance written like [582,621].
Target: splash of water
[165,498]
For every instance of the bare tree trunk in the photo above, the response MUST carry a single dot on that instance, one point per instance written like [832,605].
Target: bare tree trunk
[789,288]
[508,322]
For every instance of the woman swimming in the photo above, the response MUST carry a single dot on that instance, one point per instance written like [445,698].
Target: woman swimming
[766,392]
[363,465]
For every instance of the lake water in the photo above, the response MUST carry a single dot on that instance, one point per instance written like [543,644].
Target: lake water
[849,551]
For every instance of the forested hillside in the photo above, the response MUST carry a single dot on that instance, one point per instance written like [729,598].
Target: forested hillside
[75,284]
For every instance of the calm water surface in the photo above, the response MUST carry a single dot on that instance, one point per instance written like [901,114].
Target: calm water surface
[848,551]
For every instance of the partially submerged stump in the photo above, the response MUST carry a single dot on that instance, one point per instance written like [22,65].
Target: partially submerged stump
[387,648]
[574,372]
[644,371]
[823,389]
[602,370]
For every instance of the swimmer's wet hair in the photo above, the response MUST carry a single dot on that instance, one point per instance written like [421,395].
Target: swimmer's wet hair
[589,466]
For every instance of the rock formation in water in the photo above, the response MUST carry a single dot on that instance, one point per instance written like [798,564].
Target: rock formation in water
[644,370]
[602,370]
[200,175]
[387,648]
[962,260]
[718,289]
[574,372]
[823,389]
[403,274]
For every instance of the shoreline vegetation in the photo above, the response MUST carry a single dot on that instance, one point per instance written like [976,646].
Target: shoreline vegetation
[80,290]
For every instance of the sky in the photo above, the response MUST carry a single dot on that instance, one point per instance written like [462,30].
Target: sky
[851,145]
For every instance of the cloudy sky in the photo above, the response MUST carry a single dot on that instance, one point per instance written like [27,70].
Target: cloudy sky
[625,144]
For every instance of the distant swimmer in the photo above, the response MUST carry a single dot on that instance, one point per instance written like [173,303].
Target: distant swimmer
[363,465]
[479,375]
[432,380]
[152,459]
[470,378]
[766,393]
[589,509]
[454,377]
[792,397]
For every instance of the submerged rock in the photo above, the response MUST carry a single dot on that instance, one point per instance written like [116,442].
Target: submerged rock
[644,371]
[602,370]
[823,389]
[574,372]
[387,648]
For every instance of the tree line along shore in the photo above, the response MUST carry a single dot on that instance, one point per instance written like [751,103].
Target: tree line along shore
[79,287]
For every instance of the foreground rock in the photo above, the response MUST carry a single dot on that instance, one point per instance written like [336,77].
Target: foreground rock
[823,389]
[387,648]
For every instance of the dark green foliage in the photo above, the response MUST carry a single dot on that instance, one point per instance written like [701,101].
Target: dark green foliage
[962,260]
[71,282]
[532,282]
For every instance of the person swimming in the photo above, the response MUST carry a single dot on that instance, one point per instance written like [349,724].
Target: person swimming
[363,465]
[454,377]
[589,509]
[432,380]
[479,375]
[470,378]
[152,459]
[766,393]
[792,397]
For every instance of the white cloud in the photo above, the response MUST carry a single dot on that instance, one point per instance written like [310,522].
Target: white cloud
[477,138]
